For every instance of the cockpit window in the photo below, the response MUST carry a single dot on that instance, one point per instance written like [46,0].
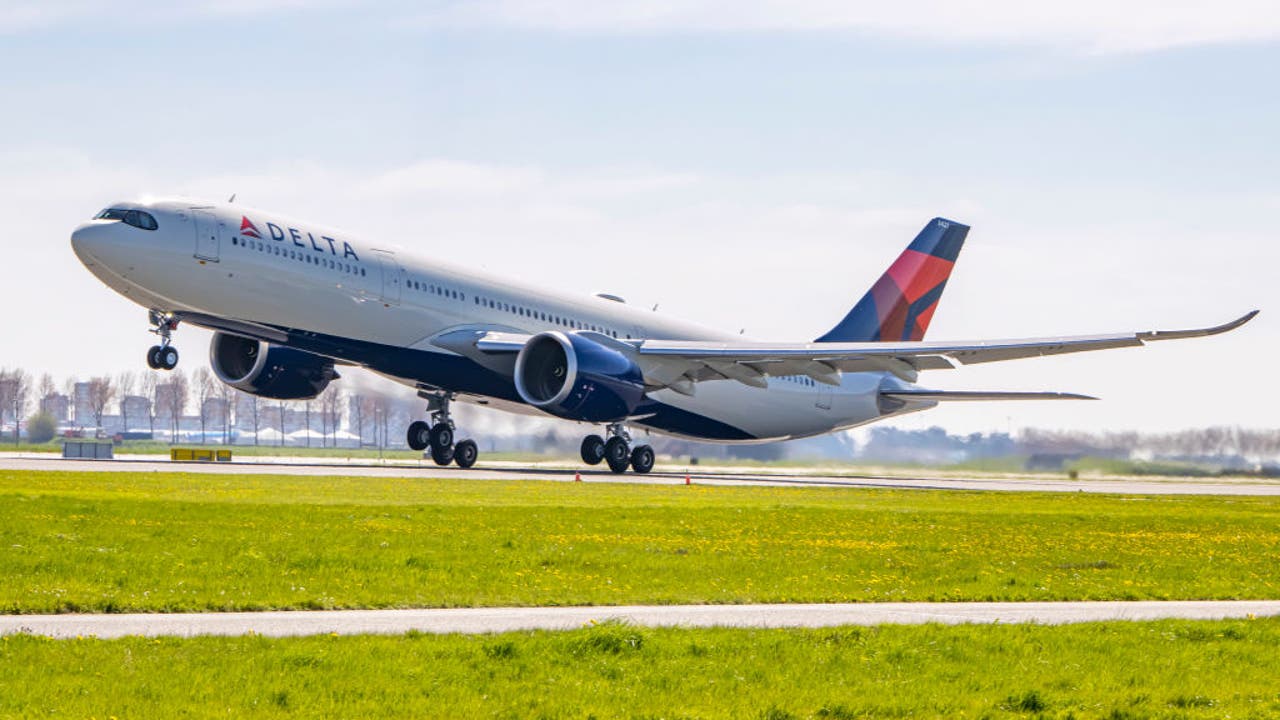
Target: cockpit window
[136,218]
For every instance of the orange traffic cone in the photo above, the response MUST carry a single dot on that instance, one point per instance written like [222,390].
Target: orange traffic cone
[577,476]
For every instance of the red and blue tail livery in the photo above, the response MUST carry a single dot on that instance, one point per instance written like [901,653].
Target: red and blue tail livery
[901,303]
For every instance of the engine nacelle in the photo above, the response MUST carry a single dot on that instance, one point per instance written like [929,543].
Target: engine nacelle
[270,371]
[578,378]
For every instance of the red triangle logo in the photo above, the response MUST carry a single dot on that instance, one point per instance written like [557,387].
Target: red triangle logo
[248,229]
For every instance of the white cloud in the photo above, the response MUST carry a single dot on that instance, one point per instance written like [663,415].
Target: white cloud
[1082,25]
[24,15]
[1089,25]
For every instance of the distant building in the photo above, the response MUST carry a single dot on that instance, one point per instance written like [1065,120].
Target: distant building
[166,399]
[83,406]
[138,410]
[214,411]
[57,405]
[243,411]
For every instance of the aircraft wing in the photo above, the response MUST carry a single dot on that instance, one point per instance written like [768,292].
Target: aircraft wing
[678,364]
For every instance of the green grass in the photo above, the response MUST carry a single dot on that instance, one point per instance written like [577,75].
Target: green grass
[168,542]
[1112,670]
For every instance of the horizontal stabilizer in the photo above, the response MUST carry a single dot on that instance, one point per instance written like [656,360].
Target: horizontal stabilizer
[979,395]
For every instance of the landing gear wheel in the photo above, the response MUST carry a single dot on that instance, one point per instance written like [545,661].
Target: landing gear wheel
[419,435]
[617,454]
[441,436]
[592,449]
[442,456]
[465,453]
[642,459]
[168,358]
[153,357]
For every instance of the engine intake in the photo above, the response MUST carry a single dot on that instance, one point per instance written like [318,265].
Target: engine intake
[575,377]
[270,371]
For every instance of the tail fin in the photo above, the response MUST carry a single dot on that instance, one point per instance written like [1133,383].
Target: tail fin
[901,303]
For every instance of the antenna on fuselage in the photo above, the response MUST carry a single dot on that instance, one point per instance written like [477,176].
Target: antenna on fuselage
[231,199]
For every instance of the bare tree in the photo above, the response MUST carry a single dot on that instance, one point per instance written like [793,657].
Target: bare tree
[173,395]
[364,410]
[307,422]
[126,384]
[17,389]
[382,413]
[227,395]
[331,411]
[204,384]
[149,387]
[255,415]
[47,389]
[101,392]
[280,407]
[7,386]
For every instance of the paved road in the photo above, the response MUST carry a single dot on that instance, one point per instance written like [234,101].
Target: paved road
[700,475]
[492,620]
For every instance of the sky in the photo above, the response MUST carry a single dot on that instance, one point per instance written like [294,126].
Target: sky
[747,165]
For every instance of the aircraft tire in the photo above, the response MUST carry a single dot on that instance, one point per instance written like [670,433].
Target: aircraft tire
[592,449]
[642,459]
[442,456]
[617,454]
[153,357]
[419,435]
[441,436]
[168,358]
[465,453]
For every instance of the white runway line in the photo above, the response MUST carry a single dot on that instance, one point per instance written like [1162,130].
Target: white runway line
[496,620]
[719,476]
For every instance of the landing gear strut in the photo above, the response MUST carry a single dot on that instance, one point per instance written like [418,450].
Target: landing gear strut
[617,452]
[163,356]
[438,434]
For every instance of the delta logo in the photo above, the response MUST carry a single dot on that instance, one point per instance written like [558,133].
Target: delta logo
[248,229]
[279,234]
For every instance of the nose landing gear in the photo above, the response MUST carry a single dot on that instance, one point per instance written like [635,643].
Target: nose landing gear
[438,435]
[163,356]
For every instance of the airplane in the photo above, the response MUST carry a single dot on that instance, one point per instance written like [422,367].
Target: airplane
[291,301]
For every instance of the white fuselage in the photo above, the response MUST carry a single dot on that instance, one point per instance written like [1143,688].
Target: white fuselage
[322,285]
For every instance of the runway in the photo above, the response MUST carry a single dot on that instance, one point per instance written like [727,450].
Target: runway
[496,620]
[664,474]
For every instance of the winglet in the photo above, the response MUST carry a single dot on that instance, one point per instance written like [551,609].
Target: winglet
[1154,335]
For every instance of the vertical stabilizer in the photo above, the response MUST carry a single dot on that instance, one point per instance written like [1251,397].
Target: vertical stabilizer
[901,303]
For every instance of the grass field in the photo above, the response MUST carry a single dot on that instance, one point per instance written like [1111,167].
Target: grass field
[1112,670]
[169,542]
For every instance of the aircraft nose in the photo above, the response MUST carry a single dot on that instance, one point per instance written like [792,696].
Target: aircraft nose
[90,238]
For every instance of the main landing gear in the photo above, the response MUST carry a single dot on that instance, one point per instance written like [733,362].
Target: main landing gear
[163,356]
[438,434]
[617,452]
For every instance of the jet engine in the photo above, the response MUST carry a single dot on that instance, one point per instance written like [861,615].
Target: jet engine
[270,371]
[577,378]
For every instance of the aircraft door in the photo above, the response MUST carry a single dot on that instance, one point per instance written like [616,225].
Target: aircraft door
[208,234]
[392,277]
